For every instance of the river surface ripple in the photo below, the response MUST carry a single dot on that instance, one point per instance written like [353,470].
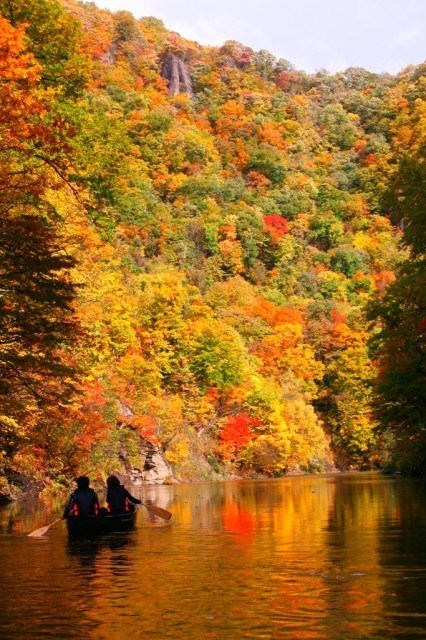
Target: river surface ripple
[313,557]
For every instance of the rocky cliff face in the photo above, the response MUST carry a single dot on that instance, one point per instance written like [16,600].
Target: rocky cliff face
[176,72]
[149,468]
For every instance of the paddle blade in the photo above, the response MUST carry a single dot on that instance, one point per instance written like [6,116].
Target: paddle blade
[158,511]
[38,533]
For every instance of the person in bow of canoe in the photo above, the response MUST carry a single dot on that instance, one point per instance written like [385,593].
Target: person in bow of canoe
[83,501]
[118,498]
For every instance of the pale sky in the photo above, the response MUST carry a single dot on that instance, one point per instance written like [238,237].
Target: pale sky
[379,35]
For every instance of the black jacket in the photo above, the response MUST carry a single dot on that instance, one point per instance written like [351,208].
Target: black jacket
[84,501]
[118,499]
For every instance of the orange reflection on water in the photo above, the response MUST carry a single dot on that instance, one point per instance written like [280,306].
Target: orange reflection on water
[239,520]
[309,558]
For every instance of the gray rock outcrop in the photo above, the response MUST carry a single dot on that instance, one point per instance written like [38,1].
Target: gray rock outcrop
[150,468]
[176,72]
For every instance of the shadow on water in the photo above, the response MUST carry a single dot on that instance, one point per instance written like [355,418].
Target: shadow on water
[86,548]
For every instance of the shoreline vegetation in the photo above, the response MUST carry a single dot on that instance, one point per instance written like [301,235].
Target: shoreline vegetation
[212,264]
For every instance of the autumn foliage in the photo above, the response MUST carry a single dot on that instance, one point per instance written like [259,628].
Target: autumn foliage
[236,433]
[192,239]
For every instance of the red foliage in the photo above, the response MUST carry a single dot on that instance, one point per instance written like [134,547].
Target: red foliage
[287,80]
[277,226]
[370,160]
[236,433]
[245,57]
[337,317]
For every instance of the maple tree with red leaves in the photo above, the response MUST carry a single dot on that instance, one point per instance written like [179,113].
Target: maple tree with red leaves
[277,226]
[237,433]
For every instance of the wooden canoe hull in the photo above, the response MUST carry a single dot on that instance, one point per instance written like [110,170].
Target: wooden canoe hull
[89,525]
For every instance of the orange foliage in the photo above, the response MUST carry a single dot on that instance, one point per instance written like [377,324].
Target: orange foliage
[241,155]
[90,416]
[145,426]
[233,119]
[274,315]
[360,146]
[383,279]
[404,137]
[271,133]
[21,111]
[258,180]
[275,349]
[369,160]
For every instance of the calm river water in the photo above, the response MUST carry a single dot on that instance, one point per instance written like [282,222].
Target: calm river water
[336,556]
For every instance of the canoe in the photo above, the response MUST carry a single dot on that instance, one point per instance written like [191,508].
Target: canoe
[82,525]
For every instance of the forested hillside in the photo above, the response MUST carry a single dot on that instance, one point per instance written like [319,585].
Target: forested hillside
[207,248]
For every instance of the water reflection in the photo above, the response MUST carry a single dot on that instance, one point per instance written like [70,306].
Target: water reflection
[313,557]
[85,549]
[19,518]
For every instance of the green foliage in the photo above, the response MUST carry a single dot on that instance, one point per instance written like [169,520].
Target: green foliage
[217,355]
[406,199]
[268,162]
[326,230]
[340,128]
[400,343]
[400,339]
[347,261]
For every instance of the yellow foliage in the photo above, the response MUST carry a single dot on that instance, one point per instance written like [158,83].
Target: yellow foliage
[232,255]
[178,450]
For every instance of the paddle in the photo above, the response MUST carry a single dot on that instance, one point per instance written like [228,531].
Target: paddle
[38,533]
[158,511]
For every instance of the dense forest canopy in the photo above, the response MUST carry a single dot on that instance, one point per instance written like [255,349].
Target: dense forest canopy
[205,248]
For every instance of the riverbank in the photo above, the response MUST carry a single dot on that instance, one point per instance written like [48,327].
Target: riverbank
[16,487]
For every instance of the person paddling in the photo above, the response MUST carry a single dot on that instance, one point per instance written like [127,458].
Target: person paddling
[83,501]
[118,498]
